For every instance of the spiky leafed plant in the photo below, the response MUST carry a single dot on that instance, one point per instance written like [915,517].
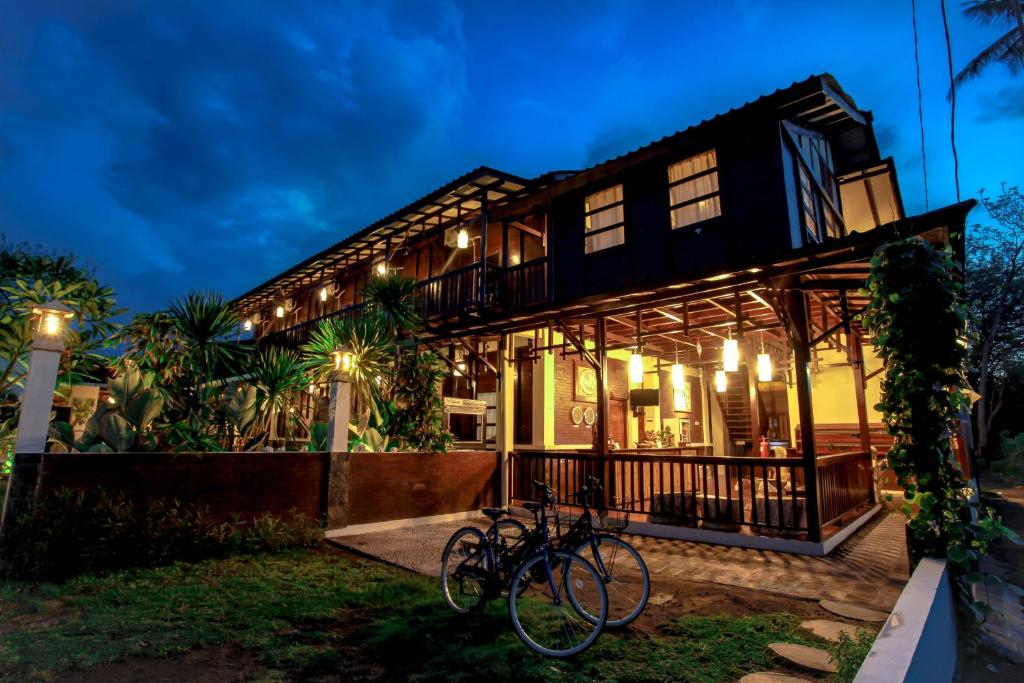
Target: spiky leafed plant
[279,377]
[370,343]
[205,324]
[391,298]
[1007,48]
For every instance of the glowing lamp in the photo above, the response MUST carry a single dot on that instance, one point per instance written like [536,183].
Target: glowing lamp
[720,381]
[677,376]
[280,311]
[52,319]
[636,368]
[764,367]
[323,294]
[460,368]
[731,355]
[381,268]
[462,238]
[514,259]
[343,363]
[247,325]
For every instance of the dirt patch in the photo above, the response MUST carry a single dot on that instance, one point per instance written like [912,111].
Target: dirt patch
[212,665]
[50,613]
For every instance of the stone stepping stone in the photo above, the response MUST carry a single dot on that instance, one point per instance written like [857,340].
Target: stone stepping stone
[807,657]
[769,677]
[660,599]
[853,611]
[828,630]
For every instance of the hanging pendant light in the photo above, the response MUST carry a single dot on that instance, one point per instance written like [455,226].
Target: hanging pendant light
[247,325]
[636,368]
[720,381]
[323,294]
[280,311]
[678,376]
[730,355]
[462,238]
[764,364]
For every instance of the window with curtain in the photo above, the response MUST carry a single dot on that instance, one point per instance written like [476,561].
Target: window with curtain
[604,221]
[693,189]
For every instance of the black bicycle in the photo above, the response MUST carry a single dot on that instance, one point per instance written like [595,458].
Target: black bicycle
[620,565]
[557,601]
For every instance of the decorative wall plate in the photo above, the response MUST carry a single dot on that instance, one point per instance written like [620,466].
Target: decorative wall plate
[576,414]
[589,416]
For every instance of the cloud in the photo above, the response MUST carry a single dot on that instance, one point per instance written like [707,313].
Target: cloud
[1008,103]
[206,128]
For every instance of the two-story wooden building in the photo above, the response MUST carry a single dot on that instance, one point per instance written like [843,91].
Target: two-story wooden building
[663,319]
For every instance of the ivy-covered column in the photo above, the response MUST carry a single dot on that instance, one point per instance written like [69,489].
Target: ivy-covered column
[918,318]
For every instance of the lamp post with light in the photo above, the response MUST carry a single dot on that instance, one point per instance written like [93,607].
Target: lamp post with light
[50,326]
[341,402]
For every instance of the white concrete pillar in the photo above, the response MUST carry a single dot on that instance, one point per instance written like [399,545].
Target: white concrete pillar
[37,399]
[339,416]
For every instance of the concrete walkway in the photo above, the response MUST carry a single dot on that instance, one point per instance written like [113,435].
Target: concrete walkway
[870,568]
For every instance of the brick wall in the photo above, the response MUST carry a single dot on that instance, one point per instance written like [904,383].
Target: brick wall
[386,486]
[565,431]
[243,484]
[347,488]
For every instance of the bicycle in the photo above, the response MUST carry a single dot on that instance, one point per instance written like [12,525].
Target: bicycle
[627,581]
[558,602]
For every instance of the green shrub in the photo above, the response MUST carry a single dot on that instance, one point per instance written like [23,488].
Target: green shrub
[849,653]
[72,532]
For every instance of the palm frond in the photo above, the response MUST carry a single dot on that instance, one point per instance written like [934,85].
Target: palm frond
[987,12]
[1007,45]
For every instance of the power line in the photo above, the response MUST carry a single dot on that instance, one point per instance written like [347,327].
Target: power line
[952,101]
[920,105]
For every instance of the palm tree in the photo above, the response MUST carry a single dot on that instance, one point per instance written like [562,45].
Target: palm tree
[279,377]
[391,298]
[1008,48]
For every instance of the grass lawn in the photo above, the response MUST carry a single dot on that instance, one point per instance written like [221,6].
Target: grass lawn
[304,614]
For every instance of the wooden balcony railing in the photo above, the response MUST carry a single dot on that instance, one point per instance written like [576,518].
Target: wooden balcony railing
[297,335]
[450,295]
[524,284]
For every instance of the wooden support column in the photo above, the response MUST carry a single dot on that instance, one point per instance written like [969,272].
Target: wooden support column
[799,334]
[505,428]
[859,383]
[482,294]
[755,413]
[601,349]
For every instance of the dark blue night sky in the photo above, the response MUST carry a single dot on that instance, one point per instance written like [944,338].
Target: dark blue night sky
[175,145]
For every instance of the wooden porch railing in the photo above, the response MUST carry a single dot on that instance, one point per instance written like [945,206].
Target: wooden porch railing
[844,483]
[760,494]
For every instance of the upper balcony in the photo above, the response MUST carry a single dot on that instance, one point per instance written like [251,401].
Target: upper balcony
[465,293]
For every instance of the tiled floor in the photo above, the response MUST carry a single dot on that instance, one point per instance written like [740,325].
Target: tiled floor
[870,568]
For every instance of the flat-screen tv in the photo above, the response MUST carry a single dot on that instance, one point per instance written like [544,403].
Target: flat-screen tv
[643,397]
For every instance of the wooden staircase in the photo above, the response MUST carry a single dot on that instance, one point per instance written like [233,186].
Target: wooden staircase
[735,405]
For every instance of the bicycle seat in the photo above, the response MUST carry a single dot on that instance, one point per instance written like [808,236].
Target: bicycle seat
[533,507]
[494,513]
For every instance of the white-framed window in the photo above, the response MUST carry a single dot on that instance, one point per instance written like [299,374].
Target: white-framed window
[693,189]
[604,220]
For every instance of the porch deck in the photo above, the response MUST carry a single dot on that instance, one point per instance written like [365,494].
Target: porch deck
[868,569]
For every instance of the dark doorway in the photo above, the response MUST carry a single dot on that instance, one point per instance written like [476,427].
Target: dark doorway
[523,409]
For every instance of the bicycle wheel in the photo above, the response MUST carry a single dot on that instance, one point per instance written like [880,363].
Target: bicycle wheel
[466,566]
[545,606]
[512,531]
[625,577]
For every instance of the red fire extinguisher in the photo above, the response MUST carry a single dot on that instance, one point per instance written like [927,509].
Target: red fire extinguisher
[764,447]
